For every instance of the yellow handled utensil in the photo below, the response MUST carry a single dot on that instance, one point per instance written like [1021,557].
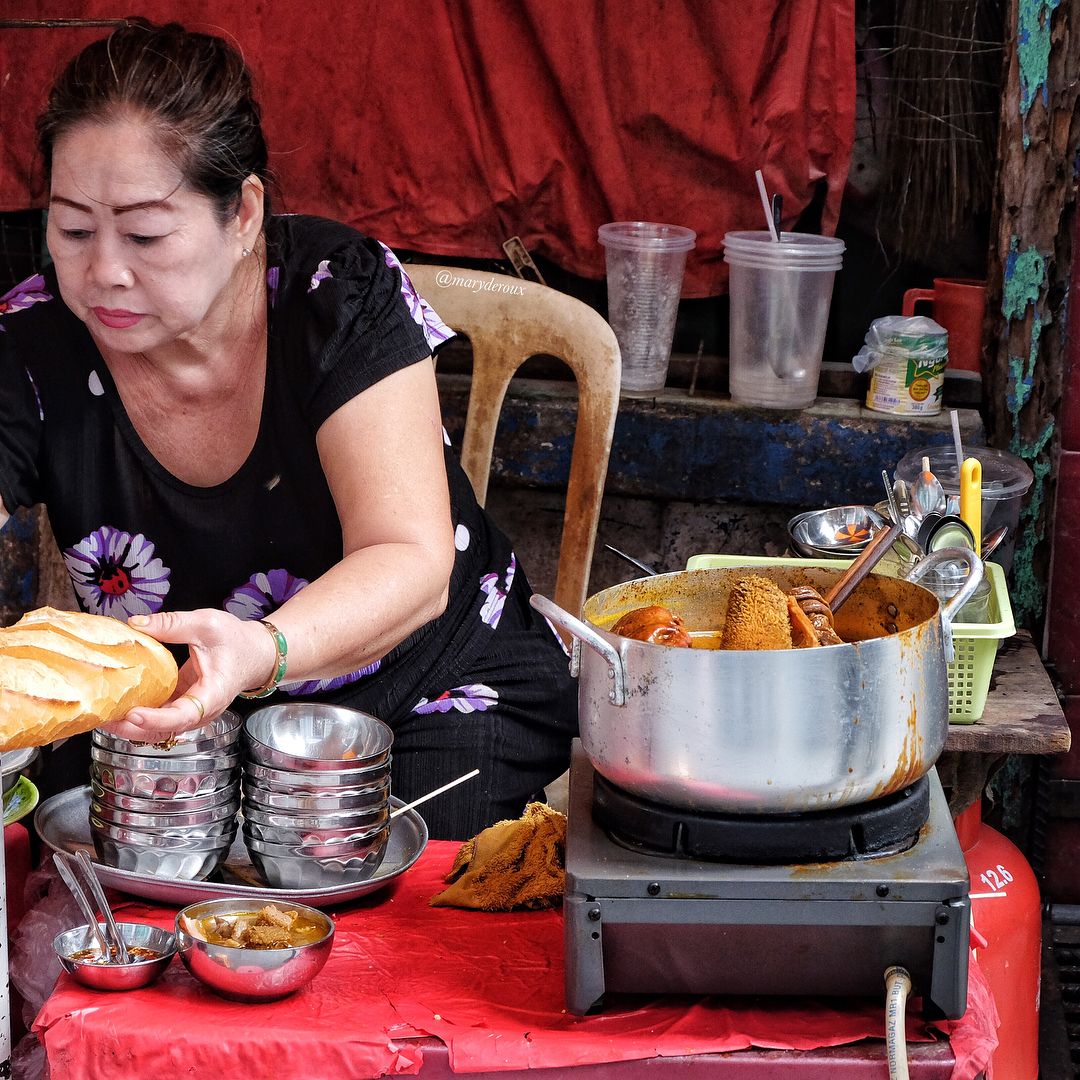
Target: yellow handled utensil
[971,498]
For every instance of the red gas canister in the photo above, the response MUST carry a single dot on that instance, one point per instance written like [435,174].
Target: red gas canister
[1006,922]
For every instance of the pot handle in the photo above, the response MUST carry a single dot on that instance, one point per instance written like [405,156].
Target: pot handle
[974,578]
[582,632]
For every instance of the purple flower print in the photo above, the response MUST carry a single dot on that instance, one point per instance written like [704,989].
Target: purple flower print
[492,610]
[30,291]
[320,275]
[475,697]
[435,330]
[262,594]
[117,574]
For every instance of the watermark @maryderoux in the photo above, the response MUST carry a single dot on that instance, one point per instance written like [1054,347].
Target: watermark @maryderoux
[446,278]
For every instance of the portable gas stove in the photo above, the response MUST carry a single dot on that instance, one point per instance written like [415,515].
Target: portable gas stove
[661,900]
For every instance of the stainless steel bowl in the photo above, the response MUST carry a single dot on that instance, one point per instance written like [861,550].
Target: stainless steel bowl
[192,863]
[172,805]
[116,976]
[193,824]
[313,736]
[173,766]
[321,782]
[14,764]
[263,798]
[156,785]
[361,847]
[323,829]
[195,836]
[303,872]
[223,733]
[838,530]
[250,974]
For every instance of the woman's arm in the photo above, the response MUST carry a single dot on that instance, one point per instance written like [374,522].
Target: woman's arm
[382,453]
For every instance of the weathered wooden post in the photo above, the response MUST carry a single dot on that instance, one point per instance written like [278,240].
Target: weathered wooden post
[1030,266]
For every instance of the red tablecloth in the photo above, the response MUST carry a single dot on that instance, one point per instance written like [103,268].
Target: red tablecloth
[490,986]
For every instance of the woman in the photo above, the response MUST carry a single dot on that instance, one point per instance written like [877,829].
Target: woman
[233,422]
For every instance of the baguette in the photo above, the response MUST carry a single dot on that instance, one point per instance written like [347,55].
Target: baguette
[65,672]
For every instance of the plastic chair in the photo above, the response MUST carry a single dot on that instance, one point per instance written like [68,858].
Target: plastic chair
[508,320]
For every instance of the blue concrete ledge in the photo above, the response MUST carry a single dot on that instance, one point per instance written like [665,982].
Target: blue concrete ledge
[673,447]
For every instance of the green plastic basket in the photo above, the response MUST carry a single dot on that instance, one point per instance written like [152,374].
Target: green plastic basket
[975,645]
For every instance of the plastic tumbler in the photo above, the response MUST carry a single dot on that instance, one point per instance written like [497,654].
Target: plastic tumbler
[780,293]
[645,263]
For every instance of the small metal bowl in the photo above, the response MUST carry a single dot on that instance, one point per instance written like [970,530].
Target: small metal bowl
[308,735]
[250,975]
[173,766]
[154,785]
[838,529]
[189,805]
[360,847]
[193,824]
[322,782]
[193,837]
[186,864]
[116,976]
[263,798]
[323,829]
[301,872]
[14,764]
[221,733]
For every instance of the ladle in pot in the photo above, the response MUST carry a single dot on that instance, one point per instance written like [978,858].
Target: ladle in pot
[867,559]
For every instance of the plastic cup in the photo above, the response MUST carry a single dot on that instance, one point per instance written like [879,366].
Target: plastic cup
[780,295]
[1005,481]
[645,264]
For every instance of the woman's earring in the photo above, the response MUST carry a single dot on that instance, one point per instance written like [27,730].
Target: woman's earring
[246,252]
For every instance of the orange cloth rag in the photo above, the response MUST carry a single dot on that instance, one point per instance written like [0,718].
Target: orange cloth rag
[511,864]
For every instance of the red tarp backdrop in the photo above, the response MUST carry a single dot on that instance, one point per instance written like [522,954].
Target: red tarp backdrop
[447,127]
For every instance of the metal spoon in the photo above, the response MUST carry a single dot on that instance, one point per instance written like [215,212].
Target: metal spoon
[928,492]
[99,895]
[85,906]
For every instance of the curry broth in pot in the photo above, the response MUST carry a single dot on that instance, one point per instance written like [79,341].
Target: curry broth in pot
[877,608]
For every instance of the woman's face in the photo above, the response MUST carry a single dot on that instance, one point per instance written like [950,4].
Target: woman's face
[140,257]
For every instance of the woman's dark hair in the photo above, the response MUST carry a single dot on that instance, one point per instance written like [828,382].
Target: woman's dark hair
[193,88]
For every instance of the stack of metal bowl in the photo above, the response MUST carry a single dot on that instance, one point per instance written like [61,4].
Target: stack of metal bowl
[316,787]
[168,809]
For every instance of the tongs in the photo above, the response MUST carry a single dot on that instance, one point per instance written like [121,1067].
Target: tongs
[65,865]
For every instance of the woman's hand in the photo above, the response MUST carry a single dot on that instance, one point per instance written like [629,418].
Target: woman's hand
[226,655]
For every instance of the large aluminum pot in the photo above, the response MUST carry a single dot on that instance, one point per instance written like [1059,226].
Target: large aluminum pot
[767,731]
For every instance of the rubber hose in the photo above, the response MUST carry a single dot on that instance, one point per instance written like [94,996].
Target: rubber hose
[897,988]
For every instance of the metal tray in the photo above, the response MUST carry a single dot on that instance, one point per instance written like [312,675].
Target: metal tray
[62,823]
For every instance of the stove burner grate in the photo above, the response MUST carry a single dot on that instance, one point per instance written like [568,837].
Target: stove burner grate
[868,830]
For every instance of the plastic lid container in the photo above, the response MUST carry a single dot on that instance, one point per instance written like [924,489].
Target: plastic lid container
[1005,481]
[1004,476]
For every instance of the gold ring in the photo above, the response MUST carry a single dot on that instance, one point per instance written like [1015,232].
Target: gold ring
[197,703]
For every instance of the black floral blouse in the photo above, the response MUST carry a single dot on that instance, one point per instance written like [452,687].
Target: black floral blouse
[342,314]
